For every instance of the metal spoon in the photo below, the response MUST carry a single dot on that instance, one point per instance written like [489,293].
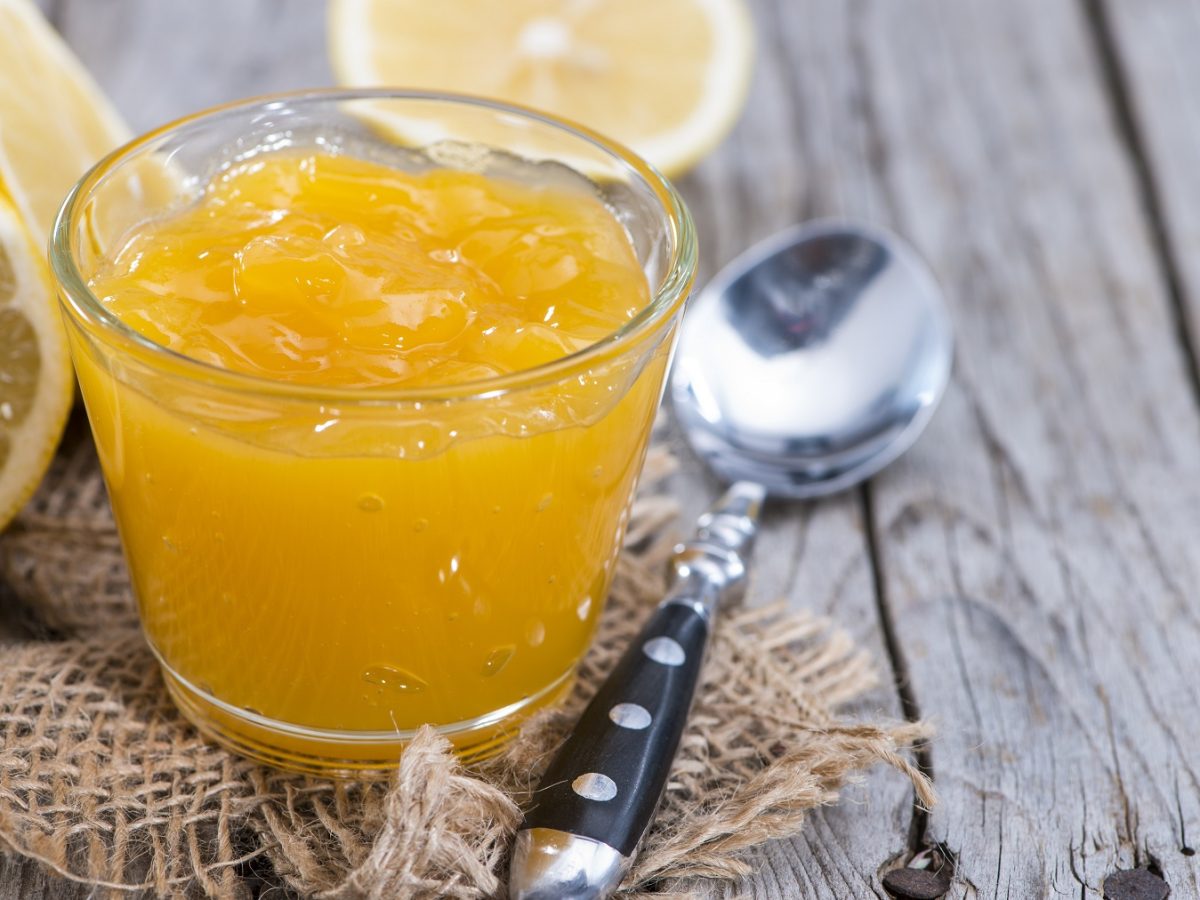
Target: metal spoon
[807,365]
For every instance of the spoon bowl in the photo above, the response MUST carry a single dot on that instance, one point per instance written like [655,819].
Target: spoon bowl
[813,359]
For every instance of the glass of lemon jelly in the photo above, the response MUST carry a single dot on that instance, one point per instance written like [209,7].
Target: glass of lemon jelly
[371,376]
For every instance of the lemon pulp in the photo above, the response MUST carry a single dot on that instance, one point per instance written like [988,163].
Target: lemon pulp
[668,78]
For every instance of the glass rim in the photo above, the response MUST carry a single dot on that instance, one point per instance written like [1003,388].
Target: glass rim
[671,290]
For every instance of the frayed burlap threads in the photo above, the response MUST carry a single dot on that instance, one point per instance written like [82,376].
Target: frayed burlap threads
[103,782]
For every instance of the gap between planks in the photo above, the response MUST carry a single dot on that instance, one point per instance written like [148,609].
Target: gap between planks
[1118,90]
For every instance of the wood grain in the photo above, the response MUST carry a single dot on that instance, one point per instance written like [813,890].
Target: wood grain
[1153,60]
[1156,64]
[21,879]
[1034,548]
[159,61]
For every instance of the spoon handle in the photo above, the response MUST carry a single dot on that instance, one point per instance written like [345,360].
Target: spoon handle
[600,792]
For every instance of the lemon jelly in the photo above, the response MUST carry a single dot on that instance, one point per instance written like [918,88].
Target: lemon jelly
[316,577]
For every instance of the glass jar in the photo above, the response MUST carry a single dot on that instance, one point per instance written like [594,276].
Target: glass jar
[321,571]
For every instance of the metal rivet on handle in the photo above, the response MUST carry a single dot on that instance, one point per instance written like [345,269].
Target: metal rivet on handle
[594,786]
[630,715]
[665,650]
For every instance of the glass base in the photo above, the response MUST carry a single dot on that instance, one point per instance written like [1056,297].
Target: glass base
[345,754]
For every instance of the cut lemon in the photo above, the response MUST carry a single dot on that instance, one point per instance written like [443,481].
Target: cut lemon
[666,77]
[54,122]
[35,373]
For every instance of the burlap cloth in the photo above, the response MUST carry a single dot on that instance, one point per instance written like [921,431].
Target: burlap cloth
[102,781]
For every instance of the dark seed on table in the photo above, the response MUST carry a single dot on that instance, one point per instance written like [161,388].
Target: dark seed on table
[1135,884]
[916,884]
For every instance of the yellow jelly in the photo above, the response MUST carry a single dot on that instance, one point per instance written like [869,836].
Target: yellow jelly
[321,575]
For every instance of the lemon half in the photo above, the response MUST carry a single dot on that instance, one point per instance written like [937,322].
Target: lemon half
[54,121]
[666,77]
[54,124]
[35,374]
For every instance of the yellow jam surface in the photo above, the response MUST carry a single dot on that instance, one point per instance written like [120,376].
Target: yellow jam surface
[365,588]
[330,270]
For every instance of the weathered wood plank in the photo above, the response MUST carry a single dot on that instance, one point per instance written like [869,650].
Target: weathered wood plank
[1153,56]
[21,879]
[159,61]
[1035,545]
[10,630]
[1154,48]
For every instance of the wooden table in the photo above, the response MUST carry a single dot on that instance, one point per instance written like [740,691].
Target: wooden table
[1029,570]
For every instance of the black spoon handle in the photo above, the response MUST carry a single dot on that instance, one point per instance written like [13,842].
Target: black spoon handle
[606,780]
